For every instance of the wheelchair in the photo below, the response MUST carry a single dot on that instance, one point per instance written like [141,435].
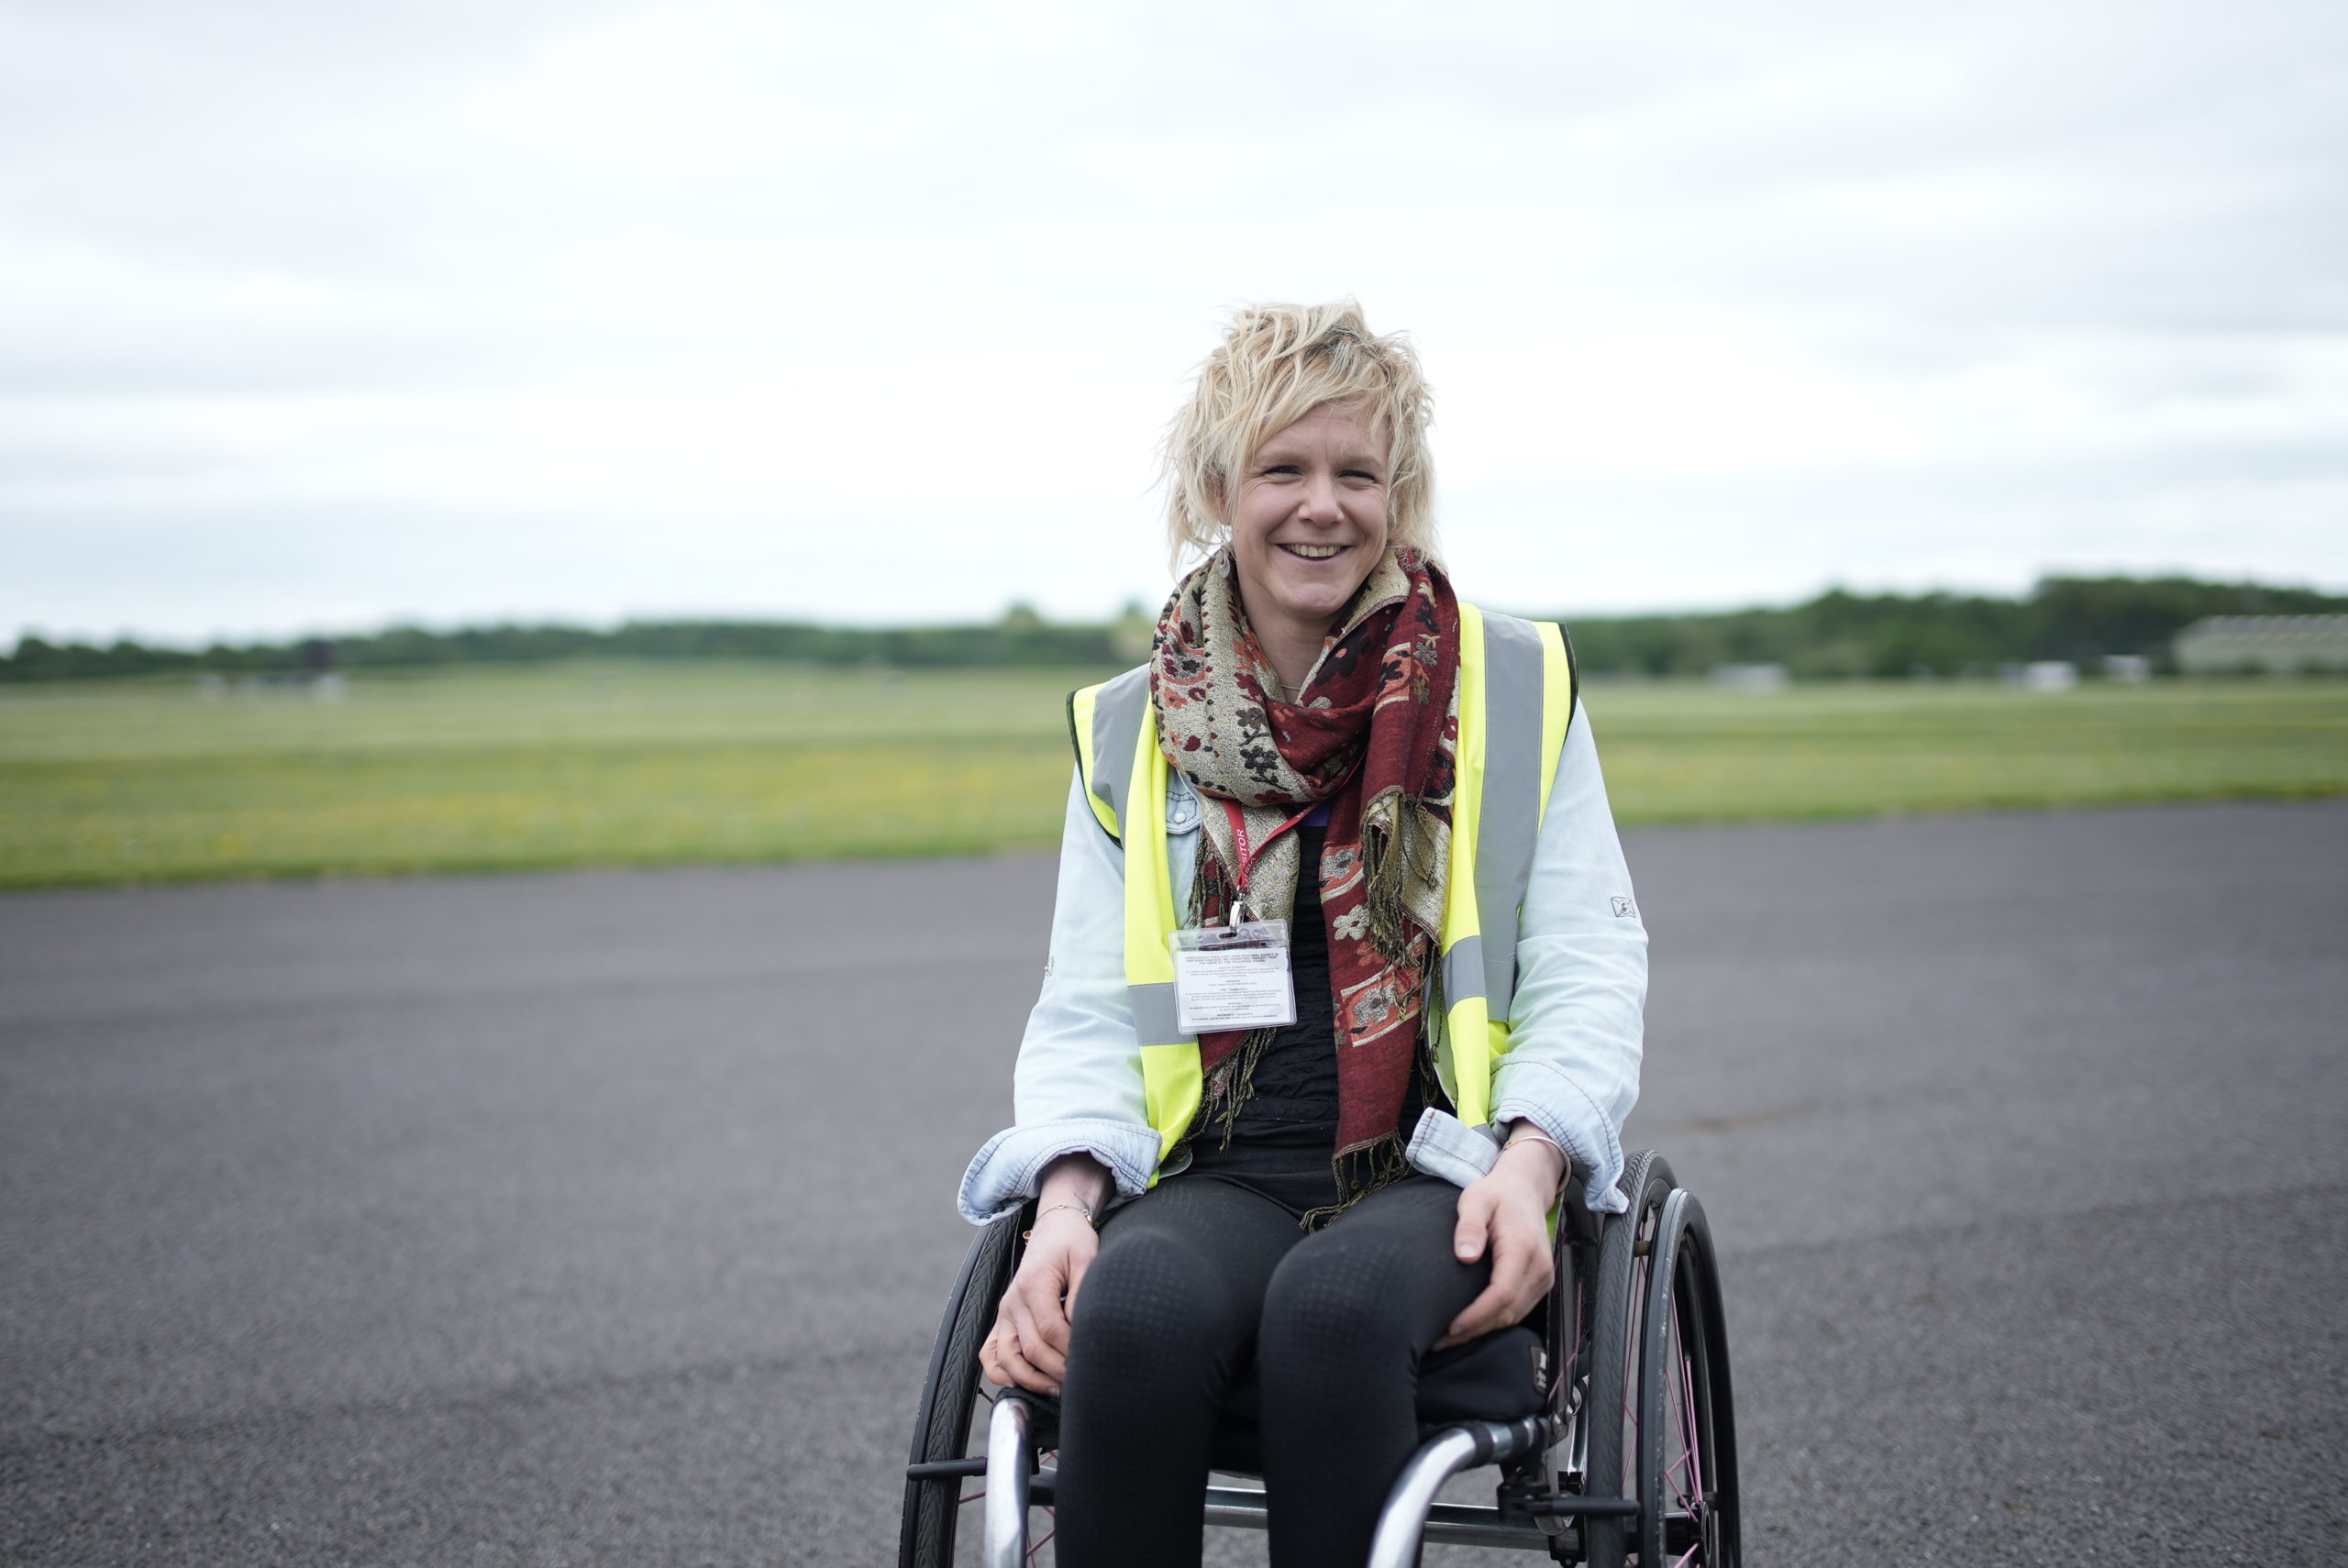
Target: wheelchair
[1628,1455]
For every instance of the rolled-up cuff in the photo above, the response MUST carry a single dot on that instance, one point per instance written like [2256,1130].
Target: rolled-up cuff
[1004,1173]
[1588,1140]
[1443,1145]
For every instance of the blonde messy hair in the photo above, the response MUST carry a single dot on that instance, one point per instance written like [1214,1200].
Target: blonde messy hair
[1276,364]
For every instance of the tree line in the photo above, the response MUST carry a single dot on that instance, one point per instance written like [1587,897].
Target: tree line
[1020,637]
[1836,634]
[1842,635]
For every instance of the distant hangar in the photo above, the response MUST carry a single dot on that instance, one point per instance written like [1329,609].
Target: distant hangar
[2269,645]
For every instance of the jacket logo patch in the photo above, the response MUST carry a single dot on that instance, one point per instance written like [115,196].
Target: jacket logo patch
[1623,907]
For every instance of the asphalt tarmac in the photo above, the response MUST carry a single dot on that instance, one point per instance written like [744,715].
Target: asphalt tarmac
[605,1217]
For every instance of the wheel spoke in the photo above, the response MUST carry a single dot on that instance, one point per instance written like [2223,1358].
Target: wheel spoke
[1692,1428]
[1682,1467]
[1691,1433]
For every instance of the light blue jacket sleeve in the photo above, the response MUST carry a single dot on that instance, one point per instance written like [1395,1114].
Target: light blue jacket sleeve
[1577,1023]
[1077,1085]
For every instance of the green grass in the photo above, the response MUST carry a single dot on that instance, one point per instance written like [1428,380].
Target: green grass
[1695,754]
[580,764]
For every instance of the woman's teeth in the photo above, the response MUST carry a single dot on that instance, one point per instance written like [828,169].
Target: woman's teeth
[1312,552]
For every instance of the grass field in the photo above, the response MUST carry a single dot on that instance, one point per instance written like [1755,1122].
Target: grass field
[580,764]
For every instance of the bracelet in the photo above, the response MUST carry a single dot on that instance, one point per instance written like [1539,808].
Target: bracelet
[1083,1209]
[1525,1132]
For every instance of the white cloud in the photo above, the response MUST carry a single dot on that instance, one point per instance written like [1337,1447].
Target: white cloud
[314,316]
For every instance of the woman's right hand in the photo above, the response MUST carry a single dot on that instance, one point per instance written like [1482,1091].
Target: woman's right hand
[1029,1347]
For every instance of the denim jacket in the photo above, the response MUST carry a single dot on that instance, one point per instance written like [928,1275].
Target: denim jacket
[1575,1024]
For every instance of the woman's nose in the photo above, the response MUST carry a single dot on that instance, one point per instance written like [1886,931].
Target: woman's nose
[1320,502]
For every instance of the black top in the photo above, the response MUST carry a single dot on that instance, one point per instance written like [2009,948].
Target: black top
[1285,1135]
[1296,1078]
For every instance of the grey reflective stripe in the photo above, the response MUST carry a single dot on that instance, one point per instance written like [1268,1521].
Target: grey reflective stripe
[1116,730]
[1155,1018]
[1510,819]
[1462,971]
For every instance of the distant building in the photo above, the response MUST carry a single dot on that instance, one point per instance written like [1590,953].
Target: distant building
[2271,645]
[1750,677]
[2041,675]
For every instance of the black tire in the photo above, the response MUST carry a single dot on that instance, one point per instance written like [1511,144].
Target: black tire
[1618,1308]
[1687,1430]
[1564,1318]
[950,1390]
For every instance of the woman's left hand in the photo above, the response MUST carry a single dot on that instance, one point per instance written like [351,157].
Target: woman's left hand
[1507,1212]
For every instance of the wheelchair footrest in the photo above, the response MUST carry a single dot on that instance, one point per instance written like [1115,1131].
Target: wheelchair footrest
[1447,1523]
[1570,1507]
[946,1469]
[1039,1486]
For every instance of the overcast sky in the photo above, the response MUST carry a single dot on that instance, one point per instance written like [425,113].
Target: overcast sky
[317,317]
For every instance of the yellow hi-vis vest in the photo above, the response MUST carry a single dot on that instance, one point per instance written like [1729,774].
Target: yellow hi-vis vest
[1517,686]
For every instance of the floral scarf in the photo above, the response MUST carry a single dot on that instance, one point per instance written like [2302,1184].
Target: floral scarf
[1373,733]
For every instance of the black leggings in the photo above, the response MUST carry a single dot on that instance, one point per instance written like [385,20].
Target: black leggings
[1197,1278]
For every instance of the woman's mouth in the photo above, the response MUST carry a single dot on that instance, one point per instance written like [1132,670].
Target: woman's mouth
[1313,552]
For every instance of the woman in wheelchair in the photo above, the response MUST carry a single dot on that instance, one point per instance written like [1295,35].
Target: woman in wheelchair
[1346,980]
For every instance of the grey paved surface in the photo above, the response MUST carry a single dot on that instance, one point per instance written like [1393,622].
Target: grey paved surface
[603,1218]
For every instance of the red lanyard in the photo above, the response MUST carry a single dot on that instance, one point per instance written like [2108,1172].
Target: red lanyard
[1248,853]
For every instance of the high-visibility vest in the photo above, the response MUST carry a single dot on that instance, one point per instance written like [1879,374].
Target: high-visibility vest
[1517,685]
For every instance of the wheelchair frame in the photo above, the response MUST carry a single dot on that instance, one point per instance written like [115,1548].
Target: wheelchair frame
[1632,1460]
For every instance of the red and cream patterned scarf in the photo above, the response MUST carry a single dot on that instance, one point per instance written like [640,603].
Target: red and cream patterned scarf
[1373,733]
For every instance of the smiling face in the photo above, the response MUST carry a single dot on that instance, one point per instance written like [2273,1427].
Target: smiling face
[1308,522]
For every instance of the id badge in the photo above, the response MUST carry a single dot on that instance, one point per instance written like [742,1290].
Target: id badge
[1233,976]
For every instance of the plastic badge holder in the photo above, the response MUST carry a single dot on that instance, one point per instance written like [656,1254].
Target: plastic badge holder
[1233,976]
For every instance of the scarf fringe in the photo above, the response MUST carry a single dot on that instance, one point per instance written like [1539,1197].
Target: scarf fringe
[1361,1170]
[1382,891]
[1395,864]
[1231,1083]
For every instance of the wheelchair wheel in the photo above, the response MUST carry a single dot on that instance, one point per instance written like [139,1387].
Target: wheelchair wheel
[1660,1412]
[950,1390]
[1687,1437]
[1618,1298]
